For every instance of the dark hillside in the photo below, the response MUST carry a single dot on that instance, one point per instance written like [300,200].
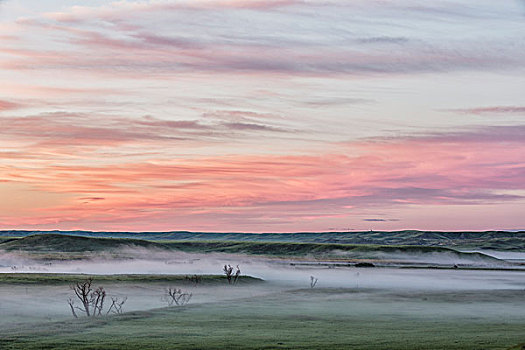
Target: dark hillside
[497,240]
[51,246]
[65,243]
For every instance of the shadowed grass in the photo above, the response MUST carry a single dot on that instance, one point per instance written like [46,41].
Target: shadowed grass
[58,246]
[57,278]
[65,243]
[286,249]
[497,240]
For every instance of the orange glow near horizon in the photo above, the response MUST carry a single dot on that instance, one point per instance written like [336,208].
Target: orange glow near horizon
[259,116]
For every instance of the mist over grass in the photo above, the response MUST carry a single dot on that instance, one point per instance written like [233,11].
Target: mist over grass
[55,247]
[364,309]
[273,306]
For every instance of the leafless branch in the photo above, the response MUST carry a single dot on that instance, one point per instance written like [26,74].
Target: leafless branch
[71,303]
[313,281]
[92,301]
[177,297]
[116,305]
[230,276]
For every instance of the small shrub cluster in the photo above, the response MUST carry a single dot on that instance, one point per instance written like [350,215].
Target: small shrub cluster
[230,276]
[178,297]
[193,278]
[92,300]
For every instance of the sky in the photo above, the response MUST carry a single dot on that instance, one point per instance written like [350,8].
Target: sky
[262,115]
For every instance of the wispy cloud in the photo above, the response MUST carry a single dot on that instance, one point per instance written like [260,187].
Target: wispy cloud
[250,115]
[6,105]
[494,110]
[473,134]
[62,129]
[380,220]
[398,172]
[131,46]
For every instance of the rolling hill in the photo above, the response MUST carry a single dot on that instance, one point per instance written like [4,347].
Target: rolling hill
[60,246]
[497,240]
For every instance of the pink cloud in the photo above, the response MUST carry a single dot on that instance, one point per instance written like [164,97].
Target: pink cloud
[67,134]
[247,190]
[243,162]
[6,105]
[131,48]
[116,9]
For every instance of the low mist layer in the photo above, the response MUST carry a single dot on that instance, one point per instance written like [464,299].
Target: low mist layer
[55,247]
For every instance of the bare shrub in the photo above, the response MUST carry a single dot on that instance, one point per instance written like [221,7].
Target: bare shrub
[196,279]
[97,301]
[116,305]
[87,298]
[313,281]
[178,297]
[237,274]
[230,276]
[71,303]
[92,300]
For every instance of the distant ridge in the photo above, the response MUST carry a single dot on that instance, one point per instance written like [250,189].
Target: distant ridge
[497,240]
[52,246]
[72,243]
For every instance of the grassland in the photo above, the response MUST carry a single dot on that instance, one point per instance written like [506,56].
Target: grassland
[319,250]
[66,243]
[299,319]
[64,247]
[66,279]
[4,239]
[496,240]
[353,309]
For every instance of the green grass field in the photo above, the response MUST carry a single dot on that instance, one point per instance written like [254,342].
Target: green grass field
[64,243]
[299,319]
[59,278]
[352,308]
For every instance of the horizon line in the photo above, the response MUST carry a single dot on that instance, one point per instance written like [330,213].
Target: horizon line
[261,233]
